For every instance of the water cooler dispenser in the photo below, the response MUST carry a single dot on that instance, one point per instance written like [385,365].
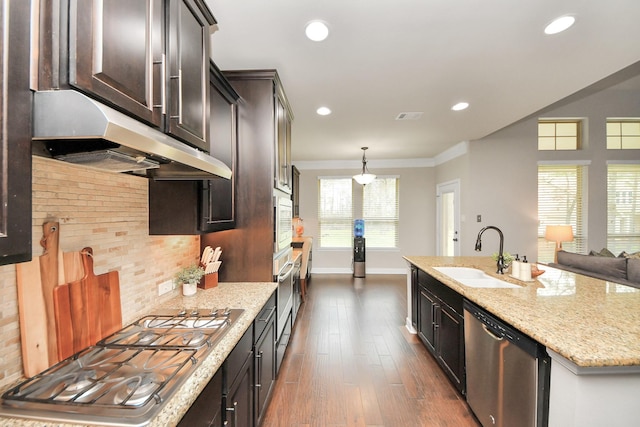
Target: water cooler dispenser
[359,265]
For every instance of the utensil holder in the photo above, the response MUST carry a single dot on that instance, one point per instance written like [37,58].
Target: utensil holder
[209,281]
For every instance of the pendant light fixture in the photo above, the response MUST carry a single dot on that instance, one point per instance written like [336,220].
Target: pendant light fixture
[365,177]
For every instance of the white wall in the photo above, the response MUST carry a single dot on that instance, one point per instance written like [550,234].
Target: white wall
[417,220]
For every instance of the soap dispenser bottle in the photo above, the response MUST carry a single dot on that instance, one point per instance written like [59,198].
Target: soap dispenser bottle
[515,267]
[525,270]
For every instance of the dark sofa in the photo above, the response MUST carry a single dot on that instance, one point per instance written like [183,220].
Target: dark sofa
[618,269]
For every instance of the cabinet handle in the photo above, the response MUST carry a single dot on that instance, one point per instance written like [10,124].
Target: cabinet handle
[268,316]
[259,373]
[163,88]
[179,79]
[234,409]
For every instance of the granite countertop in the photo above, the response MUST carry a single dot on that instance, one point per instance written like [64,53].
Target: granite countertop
[591,322]
[249,296]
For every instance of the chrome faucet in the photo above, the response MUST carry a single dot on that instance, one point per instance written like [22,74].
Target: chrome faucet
[501,265]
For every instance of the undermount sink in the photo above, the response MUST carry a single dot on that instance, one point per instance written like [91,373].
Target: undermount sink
[474,278]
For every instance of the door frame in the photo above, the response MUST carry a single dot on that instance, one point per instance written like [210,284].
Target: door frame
[452,186]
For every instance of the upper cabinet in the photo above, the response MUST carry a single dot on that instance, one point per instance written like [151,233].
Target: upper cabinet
[208,205]
[149,59]
[116,53]
[283,117]
[15,133]
[218,207]
[188,23]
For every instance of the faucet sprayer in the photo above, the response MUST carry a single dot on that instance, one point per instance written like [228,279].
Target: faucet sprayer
[500,264]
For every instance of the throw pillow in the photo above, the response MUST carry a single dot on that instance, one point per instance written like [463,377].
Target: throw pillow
[606,252]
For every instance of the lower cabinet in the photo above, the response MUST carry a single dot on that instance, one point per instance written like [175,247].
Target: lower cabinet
[281,346]
[440,325]
[206,411]
[265,357]
[238,393]
[239,397]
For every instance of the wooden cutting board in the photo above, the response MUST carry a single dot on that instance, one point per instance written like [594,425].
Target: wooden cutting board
[49,275]
[33,324]
[86,310]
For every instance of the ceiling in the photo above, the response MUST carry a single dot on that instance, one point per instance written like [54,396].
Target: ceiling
[386,57]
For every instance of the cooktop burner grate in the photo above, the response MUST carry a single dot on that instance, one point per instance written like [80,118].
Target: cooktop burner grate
[126,378]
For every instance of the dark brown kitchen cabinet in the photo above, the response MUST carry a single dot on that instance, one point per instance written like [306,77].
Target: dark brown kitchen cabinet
[283,117]
[248,249]
[195,207]
[441,325]
[188,23]
[238,389]
[218,201]
[428,305]
[295,190]
[15,133]
[149,59]
[265,356]
[116,54]
[206,411]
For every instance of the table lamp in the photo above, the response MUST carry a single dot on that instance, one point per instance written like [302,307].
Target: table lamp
[558,234]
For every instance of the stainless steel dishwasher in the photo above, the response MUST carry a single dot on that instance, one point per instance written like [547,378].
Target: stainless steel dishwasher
[507,372]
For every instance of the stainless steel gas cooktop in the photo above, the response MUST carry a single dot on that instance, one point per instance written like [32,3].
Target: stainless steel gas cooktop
[125,379]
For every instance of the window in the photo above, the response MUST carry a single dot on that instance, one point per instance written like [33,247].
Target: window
[623,208]
[380,212]
[340,202]
[335,212]
[559,134]
[560,202]
[623,134]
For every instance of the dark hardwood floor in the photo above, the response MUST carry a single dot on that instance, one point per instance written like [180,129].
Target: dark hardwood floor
[351,362]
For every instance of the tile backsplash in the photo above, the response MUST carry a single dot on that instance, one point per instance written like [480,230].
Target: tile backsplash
[109,213]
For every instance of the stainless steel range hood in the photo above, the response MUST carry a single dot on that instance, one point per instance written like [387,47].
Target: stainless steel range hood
[76,126]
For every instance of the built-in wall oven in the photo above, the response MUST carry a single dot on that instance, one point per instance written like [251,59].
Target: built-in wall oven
[283,224]
[283,268]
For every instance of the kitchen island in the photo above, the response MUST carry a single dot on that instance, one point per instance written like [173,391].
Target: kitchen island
[590,327]
[248,296]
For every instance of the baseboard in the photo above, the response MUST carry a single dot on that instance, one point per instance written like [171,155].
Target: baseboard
[372,271]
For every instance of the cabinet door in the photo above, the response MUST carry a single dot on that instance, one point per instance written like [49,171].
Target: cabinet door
[415,297]
[239,401]
[15,133]
[295,190]
[219,195]
[188,23]
[116,54]
[265,369]
[451,345]
[283,146]
[427,319]
[207,408]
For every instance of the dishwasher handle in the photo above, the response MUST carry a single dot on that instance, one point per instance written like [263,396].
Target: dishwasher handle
[491,333]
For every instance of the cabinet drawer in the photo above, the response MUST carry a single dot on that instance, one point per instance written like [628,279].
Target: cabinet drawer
[265,315]
[239,355]
[442,291]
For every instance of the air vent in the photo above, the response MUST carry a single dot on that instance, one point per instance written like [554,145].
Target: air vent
[110,160]
[409,116]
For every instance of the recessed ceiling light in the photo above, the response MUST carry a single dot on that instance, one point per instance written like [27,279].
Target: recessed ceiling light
[316,31]
[460,106]
[323,111]
[559,24]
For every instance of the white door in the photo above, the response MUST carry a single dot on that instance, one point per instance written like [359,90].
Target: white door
[448,218]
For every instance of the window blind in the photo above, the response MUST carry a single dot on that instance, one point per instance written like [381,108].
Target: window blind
[623,208]
[560,202]
[335,212]
[380,212]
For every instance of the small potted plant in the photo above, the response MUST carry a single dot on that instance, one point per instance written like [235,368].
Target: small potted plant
[189,277]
